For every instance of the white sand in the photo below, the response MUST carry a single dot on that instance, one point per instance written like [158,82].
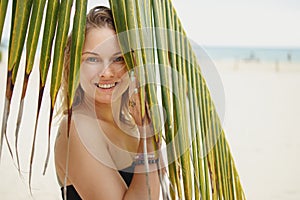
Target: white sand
[12,186]
[262,117]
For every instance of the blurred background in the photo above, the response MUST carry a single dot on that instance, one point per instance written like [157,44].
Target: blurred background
[254,48]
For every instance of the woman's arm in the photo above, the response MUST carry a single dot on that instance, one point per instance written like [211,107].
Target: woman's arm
[95,180]
[136,189]
[139,188]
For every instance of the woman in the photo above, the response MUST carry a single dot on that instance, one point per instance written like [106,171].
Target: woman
[102,157]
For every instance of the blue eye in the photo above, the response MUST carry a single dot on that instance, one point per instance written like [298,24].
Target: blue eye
[92,59]
[119,59]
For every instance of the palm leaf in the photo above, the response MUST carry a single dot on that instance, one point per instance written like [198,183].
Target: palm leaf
[202,164]
[31,46]
[171,48]
[210,159]
[60,43]
[167,100]
[76,48]
[3,9]
[45,58]
[20,14]
[6,101]
[161,37]
[75,60]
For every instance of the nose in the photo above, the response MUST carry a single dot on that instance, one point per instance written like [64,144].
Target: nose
[107,72]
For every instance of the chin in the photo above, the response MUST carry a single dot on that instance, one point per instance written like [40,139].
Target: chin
[102,100]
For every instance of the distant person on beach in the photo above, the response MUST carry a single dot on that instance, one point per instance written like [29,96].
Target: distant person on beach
[289,57]
[103,157]
[252,58]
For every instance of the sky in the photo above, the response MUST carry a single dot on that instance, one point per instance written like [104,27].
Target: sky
[241,22]
[259,23]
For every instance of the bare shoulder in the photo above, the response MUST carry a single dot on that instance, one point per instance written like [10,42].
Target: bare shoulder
[69,141]
[60,150]
[84,134]
[86,169]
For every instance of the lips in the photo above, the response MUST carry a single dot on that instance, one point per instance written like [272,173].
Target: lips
[106,85]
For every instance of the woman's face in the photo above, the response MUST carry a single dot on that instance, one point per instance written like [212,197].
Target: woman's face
[103,73]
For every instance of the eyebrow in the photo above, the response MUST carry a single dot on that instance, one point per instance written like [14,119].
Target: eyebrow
[90,52]
[117,53]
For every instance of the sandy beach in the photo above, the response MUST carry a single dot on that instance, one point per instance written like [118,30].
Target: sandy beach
[261,123]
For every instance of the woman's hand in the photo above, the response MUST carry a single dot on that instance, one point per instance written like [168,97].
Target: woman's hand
[135,105]
[144,123]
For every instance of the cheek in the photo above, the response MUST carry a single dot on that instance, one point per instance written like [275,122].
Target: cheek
[122,87]
[86,78]
[123,73]
[124,77]
[86,73]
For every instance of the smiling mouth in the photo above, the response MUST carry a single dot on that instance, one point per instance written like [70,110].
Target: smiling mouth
[106,86]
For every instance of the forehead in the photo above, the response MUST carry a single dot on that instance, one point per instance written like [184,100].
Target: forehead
[101,39]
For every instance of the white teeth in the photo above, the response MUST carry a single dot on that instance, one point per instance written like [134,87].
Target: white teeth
[105,86]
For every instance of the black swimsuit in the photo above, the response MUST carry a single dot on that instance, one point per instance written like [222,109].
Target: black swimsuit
[126,174]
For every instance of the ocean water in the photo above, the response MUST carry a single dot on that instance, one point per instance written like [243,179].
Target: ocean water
[228,53]
[258,54]
[231,53]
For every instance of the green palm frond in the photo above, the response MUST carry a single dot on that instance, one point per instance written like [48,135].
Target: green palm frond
[154,43]
[77,43]
[207,170]
[60,43]
[45,57]
[3,10]
[31,47]
[20,15]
